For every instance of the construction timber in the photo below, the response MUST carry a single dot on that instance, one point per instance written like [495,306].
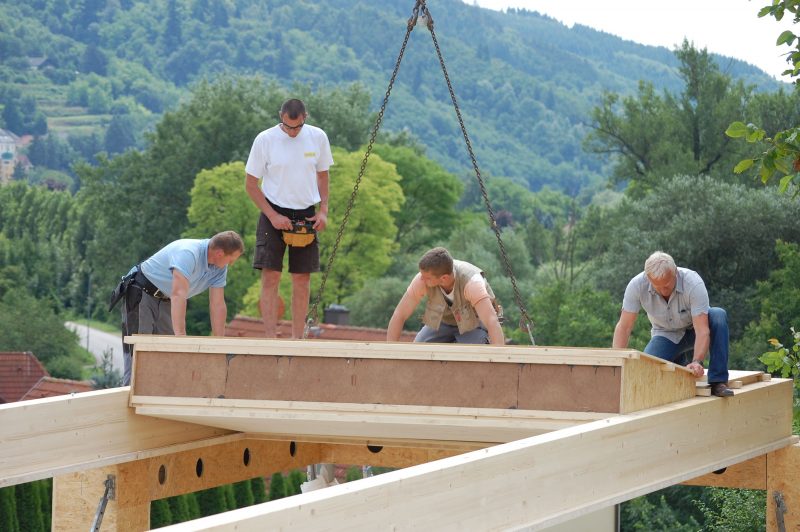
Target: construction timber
[484,437]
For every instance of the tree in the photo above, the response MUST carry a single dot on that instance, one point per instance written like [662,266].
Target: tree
[653,137]
[160,513]
[29,507]
[780,155]
[295,479]
[211,501]
[366,247]
[179,508]
[243,491]
[259,491]
[431,194]
[277,487]
[120,134]
[46,337]
[8,510]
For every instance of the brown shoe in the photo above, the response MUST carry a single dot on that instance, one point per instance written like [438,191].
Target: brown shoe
[720,389]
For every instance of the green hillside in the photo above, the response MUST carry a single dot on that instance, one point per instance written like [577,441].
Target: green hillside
[526,83]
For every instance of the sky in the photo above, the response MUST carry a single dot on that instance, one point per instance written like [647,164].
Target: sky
[727,27]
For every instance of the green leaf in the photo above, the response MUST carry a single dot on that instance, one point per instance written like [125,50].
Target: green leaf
[743,165]
[755,134]
[784,184]
[787,37]
[736,130]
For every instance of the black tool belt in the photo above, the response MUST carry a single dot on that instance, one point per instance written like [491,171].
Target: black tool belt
[147,287]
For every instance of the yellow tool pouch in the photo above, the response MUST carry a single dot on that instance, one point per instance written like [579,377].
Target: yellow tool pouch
[301,235]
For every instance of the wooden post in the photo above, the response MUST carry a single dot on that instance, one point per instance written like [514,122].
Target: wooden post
[783,491]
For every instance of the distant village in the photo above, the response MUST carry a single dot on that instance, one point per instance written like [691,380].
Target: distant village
[11,157]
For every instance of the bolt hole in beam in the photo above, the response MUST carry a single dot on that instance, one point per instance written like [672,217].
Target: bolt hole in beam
[162,474]
[375,449]
[292,448]
[198,467]
[720,471]
[246,456]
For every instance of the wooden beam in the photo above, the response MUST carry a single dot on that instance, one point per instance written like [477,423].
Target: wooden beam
[396,351]
[57,435]
[363,422]
[545,479]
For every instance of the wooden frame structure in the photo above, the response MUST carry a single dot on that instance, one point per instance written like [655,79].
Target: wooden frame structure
[546,434]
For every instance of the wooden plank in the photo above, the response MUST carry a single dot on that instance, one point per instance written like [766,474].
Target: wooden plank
[396,351]
[545,479]
[57,435]
[367,422]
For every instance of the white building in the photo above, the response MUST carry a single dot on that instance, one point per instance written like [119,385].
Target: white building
[8,155]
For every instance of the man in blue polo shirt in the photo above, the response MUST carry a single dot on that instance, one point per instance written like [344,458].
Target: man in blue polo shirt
[156,294]
[676,302]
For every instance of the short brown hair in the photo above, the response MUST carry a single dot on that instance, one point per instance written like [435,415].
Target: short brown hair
[437,261]
[294,108]
[228,241]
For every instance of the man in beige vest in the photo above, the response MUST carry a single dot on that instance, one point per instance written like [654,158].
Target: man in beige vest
[461,306]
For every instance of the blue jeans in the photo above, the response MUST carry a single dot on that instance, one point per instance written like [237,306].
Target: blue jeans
[448,334]
[718,351]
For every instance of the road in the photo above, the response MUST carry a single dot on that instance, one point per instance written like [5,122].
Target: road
[99,342]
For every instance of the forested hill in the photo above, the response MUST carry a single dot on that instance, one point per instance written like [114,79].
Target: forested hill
[526,83]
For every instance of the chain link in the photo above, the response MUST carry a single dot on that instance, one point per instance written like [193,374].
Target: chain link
[421,8]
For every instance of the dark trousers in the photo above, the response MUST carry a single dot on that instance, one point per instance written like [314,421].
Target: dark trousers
[142,314]
[680,353]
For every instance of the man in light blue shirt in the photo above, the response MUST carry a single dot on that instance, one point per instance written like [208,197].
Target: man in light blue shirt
[676,302]
[155,291]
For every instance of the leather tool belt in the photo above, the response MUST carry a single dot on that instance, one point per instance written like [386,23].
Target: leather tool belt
[301,235]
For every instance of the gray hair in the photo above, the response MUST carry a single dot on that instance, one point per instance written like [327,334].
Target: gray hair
[658,265]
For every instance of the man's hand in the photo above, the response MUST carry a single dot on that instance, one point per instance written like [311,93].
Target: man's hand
[280,222]
[320,220]
[696,367]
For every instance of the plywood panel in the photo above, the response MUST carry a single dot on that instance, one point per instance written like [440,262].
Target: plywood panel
[646,384]
[572,388]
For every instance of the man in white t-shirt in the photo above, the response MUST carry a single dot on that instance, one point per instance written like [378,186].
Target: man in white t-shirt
[461,306]
[291,159]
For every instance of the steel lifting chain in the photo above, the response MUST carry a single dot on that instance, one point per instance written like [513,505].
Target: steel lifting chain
[525,321]
[421,9]
[312,316]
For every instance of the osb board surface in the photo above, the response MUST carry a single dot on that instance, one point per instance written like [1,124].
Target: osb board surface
[379,381]
[646,384]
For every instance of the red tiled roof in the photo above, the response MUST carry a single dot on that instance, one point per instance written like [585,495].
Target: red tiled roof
[245,326]
[19,372]
[50,387]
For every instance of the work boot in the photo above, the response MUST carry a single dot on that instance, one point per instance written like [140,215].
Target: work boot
[720,389]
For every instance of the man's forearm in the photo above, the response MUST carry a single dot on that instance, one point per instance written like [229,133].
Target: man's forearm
[702,342]
[219,314]
[322,185]
[178,315]
[621,337]
[496,336]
